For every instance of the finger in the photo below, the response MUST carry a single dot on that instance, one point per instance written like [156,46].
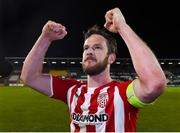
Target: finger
[62,34]
[108,19]
[51,26]
[56,27]
[65,32]
[59,26]
[61,31]
[109,14]
[108,24]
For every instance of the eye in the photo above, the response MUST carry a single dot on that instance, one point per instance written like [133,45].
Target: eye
[97,47]
[85,48]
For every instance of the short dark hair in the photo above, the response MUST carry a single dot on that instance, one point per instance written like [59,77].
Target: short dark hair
[111,41]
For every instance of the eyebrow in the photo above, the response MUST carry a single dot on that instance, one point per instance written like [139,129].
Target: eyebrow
[98,44]
[86,45]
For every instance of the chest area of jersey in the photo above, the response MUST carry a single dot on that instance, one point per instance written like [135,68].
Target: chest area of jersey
[94,106]
[91,100]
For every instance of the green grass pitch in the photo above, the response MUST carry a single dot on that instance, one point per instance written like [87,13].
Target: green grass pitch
[25,110]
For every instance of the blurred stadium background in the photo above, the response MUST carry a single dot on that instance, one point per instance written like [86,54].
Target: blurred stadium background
[122,69]
[23,109]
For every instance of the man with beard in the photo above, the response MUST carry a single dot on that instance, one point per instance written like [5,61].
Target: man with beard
[100,104]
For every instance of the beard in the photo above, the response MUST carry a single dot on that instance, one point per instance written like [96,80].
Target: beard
[97,68]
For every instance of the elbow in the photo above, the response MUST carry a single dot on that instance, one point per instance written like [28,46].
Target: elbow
[161,84]
[153,86]
[158,82]
[26,78]
[156,87]
[159,88]
[23,75]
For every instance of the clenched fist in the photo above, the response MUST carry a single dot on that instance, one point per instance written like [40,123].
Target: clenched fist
[53,31]
[114,19]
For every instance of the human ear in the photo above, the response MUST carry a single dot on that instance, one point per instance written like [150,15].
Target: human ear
[111,58]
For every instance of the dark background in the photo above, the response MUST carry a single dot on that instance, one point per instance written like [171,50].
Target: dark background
[21,22]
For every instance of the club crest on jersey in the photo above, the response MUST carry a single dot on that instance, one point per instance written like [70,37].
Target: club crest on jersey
[103,99]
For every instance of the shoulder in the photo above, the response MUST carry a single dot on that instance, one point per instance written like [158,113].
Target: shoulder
[69,81]
[122,86]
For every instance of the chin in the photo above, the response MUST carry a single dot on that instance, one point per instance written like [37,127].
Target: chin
[89,67]
[88,64]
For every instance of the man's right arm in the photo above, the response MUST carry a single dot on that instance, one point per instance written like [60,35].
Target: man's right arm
[32,69]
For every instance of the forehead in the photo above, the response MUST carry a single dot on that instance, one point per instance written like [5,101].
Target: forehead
[95,39]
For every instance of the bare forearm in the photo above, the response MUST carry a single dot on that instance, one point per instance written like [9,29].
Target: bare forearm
[34,61]
[32,69]
[144,61]
[151,79]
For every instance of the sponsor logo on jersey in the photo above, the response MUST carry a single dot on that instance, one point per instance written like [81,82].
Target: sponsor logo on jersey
[89,119]
[103,99]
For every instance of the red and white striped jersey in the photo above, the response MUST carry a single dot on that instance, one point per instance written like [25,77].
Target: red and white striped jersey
[102,109]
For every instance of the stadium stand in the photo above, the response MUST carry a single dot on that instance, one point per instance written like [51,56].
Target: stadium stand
[122,69]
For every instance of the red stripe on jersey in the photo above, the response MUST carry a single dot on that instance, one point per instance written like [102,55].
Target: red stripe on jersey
[110,124]
[77,128]
[73,91]
[93,109]
[130,111]
[80,101]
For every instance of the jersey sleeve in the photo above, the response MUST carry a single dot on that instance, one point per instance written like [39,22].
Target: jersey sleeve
[133,99]
[60,87]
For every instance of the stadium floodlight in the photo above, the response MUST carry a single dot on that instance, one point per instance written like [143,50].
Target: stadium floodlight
[62,62]
[178,63]
[15,62]
[72,62]
[118,62]
[54,62]
[162,63]
[44,62]
[170,63]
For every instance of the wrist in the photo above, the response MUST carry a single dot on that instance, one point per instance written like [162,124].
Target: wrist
[122,27]
[45,39]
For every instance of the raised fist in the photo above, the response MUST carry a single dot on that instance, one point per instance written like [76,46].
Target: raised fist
[53,31]
[114,19]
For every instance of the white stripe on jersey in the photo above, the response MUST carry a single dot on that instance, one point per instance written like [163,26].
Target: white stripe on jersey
[118,111]
[69,95]
[101,127]
[85,105]
[74,103]
[51,86]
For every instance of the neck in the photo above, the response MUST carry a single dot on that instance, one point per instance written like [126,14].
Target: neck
[100,79]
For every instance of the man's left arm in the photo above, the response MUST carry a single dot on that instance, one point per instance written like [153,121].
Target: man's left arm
[151,78]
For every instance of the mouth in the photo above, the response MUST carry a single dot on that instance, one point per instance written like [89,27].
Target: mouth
[90,58]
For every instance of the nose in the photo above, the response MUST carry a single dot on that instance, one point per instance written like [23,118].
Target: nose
[90,51]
